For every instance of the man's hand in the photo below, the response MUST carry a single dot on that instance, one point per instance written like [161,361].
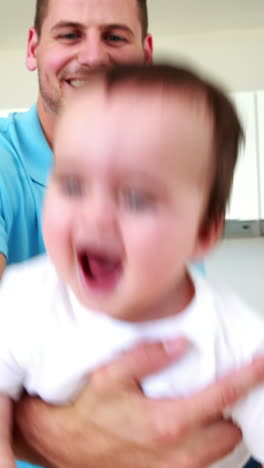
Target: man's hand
[112,424]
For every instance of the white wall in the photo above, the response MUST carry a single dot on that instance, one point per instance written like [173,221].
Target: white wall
[239,264]
[234,57]
[18,87]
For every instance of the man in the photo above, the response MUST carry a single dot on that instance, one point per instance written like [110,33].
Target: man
[68,40]
[111,423]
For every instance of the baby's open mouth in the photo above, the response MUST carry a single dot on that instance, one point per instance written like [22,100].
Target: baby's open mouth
[99,269]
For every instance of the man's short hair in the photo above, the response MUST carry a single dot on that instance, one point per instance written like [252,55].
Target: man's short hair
[227,131]
[42,9]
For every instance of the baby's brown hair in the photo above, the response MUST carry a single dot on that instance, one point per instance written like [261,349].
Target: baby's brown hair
[228,133]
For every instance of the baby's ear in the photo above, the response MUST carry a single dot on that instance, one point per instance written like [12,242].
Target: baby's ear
[209,235]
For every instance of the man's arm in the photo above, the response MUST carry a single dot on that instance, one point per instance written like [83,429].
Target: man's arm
[113,424]
[2,264]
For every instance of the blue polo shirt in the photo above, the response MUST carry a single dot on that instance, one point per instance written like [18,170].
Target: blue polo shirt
[25,161]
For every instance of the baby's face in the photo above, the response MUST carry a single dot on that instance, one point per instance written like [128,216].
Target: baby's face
[126,199]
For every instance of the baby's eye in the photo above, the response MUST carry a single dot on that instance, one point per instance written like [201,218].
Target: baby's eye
[136,201]
[72,186]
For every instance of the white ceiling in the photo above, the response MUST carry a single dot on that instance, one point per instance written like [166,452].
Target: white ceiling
[166,17]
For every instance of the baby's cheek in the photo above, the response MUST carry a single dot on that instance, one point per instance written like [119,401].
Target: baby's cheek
[56,226]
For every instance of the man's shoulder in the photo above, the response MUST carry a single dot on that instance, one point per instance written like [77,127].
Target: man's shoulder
[12,128]
[25,155]
[6,154]
[20,132]
[12,123]
[11,176]
[7,121]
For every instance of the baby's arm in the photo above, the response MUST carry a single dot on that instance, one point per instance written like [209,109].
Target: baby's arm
[7,459]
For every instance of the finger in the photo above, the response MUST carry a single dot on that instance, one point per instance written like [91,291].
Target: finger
[145,359]
[208,403]
[210,444]
[204,406]
[221,439]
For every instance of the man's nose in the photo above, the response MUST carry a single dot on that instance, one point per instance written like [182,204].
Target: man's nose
[93,51]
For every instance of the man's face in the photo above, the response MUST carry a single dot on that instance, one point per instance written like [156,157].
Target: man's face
[123,213]
[80,35]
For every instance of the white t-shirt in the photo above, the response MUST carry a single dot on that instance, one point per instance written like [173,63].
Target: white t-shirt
[49,343]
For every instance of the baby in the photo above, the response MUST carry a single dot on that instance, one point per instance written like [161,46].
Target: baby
[144,161]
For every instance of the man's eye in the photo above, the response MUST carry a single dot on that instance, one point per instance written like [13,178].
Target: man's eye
[72,186]
[114,38]
[136,201]
[71,36]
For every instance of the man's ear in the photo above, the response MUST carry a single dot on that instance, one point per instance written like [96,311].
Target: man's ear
[32,43]
[208,237]
[148,49]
